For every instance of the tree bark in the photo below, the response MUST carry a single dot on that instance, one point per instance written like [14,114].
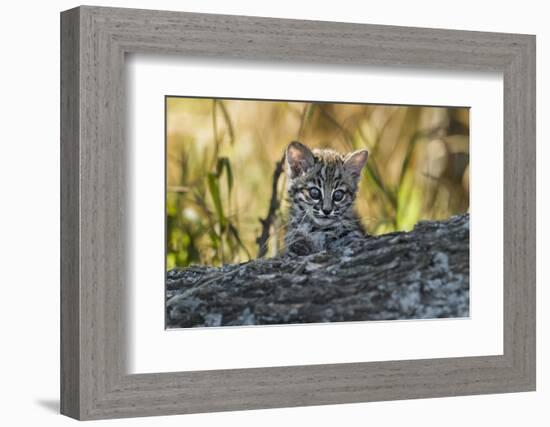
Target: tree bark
[420,274]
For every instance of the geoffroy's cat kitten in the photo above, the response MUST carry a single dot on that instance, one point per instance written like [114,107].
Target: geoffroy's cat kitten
[322,185]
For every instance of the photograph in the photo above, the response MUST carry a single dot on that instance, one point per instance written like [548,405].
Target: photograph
[293,212]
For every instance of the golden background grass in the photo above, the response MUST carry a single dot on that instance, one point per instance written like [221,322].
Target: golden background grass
[221,155]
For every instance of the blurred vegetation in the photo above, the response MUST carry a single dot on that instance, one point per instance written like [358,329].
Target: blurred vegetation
[222,155]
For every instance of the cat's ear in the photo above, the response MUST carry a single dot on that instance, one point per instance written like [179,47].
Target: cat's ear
[299,159]
[354,162]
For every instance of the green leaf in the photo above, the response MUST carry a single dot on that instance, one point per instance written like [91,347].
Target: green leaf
[233,230]
[214,239]
[224,163]
[214,189]
[409,203]
[170,261]
[310,111]
[228,122]
[375,179]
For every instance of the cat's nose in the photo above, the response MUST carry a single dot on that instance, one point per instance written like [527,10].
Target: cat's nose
[326,211]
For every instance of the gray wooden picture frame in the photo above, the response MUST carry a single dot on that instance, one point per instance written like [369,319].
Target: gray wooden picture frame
[94,41]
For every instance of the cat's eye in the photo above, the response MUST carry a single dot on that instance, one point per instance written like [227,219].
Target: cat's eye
[338,195]
[315,193]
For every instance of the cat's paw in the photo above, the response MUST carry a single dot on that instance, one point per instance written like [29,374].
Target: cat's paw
[300,247]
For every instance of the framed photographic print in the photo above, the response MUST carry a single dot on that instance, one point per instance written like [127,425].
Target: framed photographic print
[317,213]
[262,213]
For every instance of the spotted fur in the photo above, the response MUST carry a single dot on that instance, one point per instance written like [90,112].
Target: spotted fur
[322,186]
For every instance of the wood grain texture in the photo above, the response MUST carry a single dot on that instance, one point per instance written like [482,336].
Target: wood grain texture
[94,202]
[70,296]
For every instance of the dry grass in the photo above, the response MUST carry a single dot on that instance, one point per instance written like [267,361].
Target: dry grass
[222,155]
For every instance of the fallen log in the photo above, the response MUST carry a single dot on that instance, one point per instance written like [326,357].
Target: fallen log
[421,274]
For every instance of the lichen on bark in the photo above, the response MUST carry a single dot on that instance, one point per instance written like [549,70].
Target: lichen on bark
[421,274]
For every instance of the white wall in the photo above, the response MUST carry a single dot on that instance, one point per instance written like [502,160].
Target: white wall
[29,226]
